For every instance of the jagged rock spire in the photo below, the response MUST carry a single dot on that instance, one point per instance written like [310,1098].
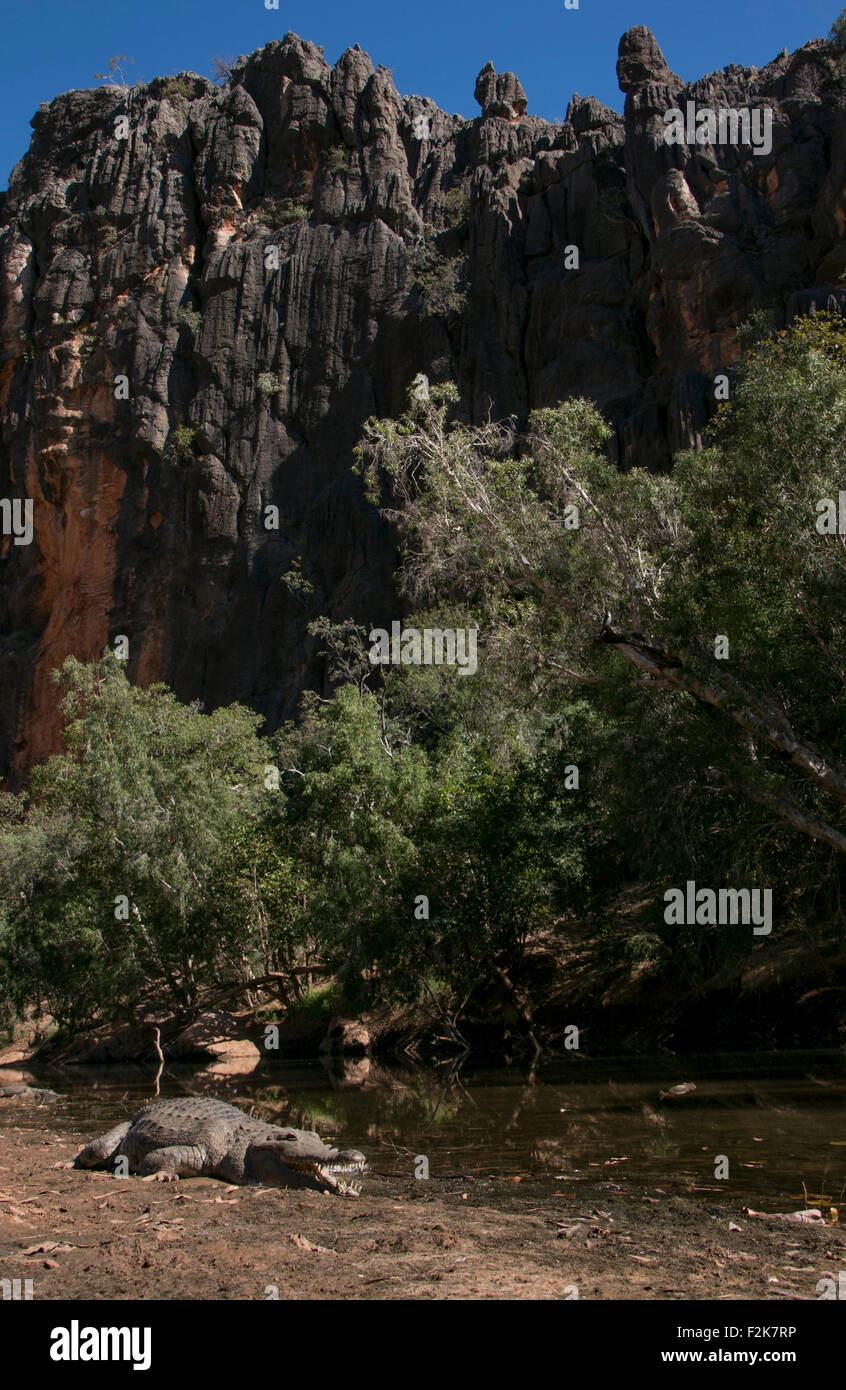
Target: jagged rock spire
[641,61]
[500,94]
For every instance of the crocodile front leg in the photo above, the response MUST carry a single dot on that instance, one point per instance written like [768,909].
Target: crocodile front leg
[175,1161]
[102,1151]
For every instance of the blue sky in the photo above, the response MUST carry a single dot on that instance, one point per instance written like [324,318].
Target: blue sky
[434,48]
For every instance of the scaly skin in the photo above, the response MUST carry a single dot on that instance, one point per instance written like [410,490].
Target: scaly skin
[33,1093]
[193,1135]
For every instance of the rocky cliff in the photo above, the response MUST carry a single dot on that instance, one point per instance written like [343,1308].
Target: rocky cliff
[206,290]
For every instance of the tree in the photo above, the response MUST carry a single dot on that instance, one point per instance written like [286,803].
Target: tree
[222,69]
[837,33]
[593,579]
[111,868]
[115,76]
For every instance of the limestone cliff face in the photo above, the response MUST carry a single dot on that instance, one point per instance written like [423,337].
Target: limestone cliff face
[269,262]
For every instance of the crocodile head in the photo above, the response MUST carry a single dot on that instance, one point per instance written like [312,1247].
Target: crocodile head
[302,1161]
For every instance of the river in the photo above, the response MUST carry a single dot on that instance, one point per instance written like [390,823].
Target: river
[770,1122]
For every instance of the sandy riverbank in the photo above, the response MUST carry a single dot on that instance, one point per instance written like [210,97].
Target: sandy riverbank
[88,1235]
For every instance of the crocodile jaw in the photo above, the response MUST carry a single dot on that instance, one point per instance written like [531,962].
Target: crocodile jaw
[272,1169]
[325,1177]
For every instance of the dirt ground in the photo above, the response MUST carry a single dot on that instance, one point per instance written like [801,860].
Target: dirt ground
[80,1235]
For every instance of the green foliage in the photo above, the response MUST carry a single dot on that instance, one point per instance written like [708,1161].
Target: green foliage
[245,858]
[268,384]
[688,750]
[337,159]
[319,1005]
[296,580]
[182,87]
[440,280]
[282,212]
[507,851]
[456,206]
[146,804]
[181,442]
[759,325]
[351,807]
[190,318]
[837,34]
[379,820]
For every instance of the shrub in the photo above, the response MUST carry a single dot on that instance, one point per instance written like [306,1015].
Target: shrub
[190,318]
[268,384]
[182,441]
[837,33]
[322,1002]
[456,208]
[177,87]
[337,159]
[759,325]
[281,212]
[441,280]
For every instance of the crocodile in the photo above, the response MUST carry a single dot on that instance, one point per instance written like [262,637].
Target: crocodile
[34,1093]
[190,1136]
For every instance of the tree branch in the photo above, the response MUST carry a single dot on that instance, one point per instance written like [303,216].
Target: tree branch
[652,656]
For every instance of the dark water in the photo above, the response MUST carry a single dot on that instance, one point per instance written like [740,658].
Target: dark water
[578,1125]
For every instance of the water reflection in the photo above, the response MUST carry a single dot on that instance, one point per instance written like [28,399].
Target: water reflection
[574,1125]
